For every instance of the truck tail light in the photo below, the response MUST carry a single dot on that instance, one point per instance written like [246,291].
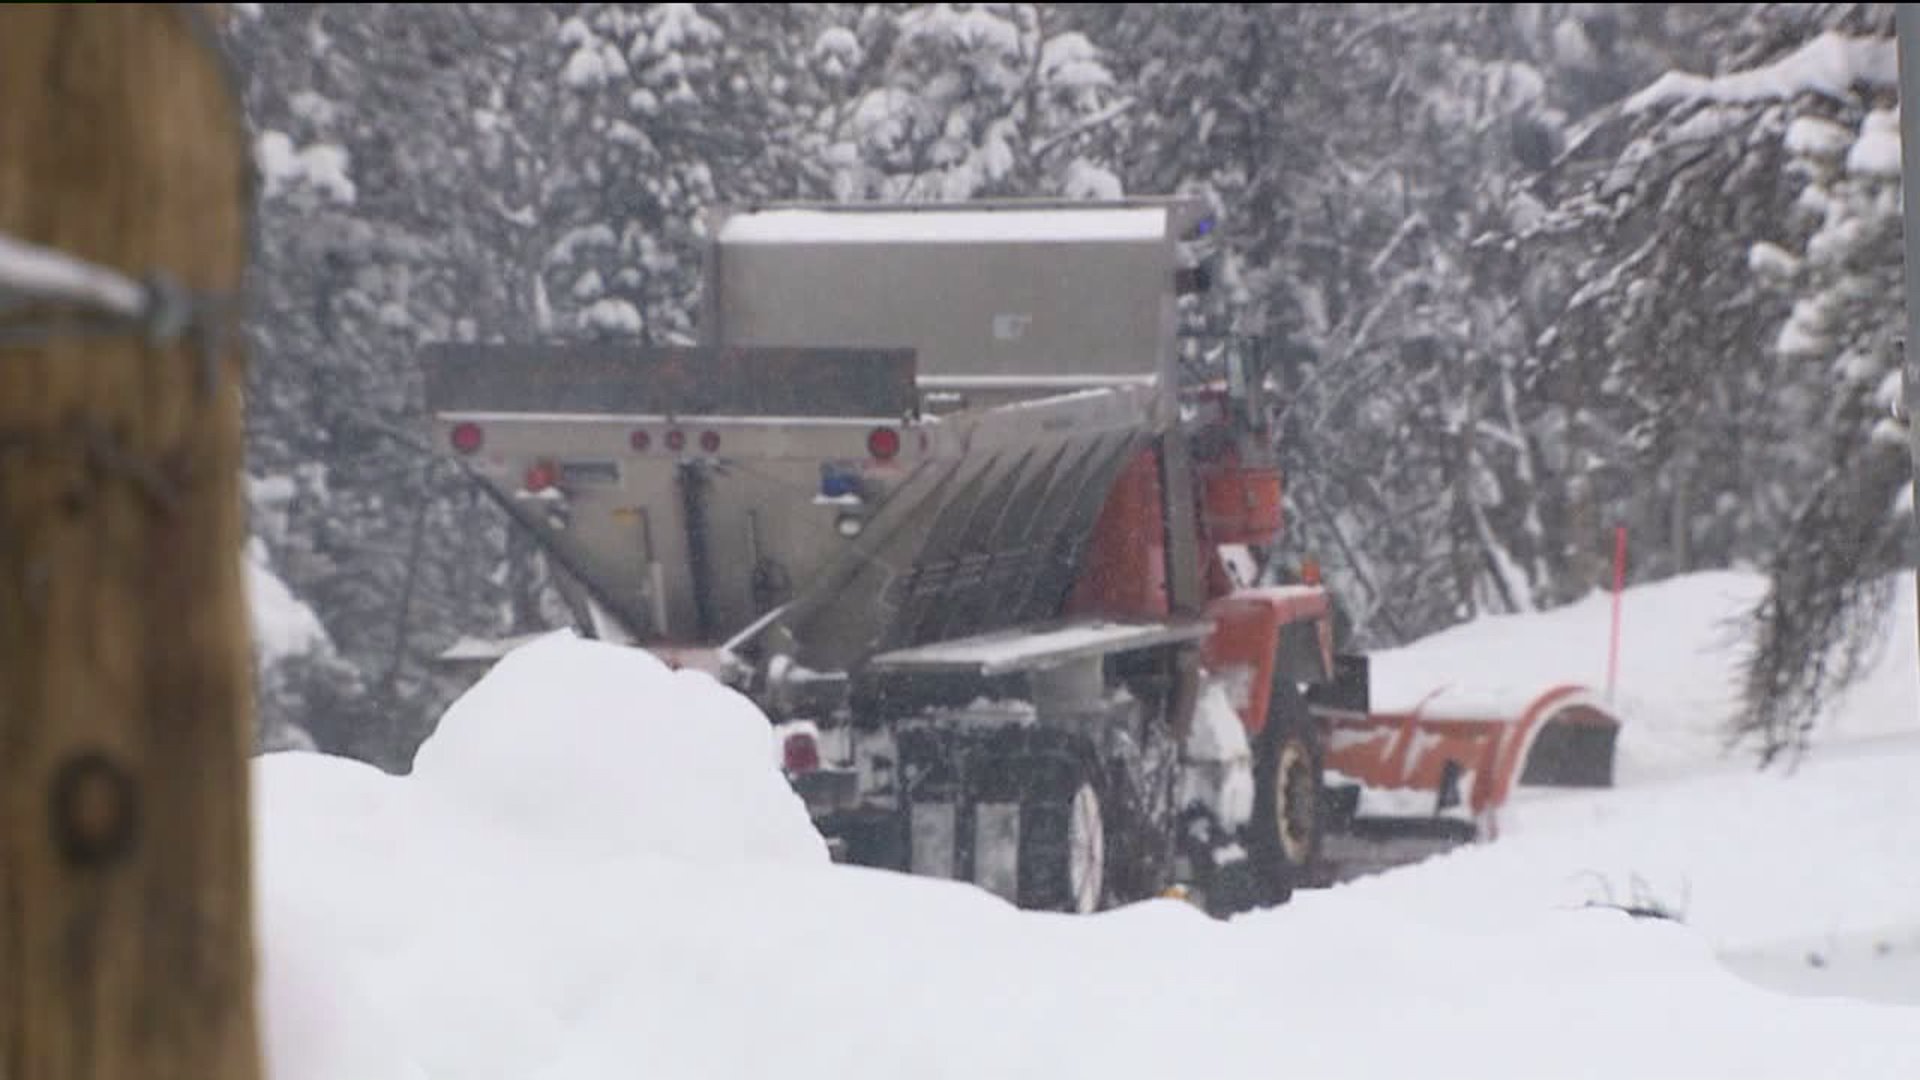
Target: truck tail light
[640,441]
[540,476]
[800,753]
[883,443]
[676,440]
[710,442]
[467,437]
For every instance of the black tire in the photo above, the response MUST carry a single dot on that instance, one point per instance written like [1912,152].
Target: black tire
[1283,837]
[1066,833]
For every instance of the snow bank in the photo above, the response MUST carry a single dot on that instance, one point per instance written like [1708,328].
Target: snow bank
[1763,867]
[605,750]
[596,872]
[1806,880]
[1682,643]
[446,919]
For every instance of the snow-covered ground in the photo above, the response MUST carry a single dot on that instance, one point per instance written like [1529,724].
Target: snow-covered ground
[595,872]
[1805,879]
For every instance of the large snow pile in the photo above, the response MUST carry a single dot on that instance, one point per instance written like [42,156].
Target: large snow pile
[451,919]
[596,872]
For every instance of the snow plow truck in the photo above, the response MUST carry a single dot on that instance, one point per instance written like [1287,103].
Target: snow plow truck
[946,492]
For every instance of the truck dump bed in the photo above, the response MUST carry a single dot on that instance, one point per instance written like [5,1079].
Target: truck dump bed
[998,301]
[901,429]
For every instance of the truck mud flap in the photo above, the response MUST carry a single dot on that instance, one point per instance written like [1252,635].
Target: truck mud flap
[973,842]
[984,805]
[996,849]
[933,832]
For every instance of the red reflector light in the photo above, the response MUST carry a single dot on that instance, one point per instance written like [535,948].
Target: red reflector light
[640,441]
[466,437]
[540,476]
[676,441]
[710,441]
[800,754]
[883,443]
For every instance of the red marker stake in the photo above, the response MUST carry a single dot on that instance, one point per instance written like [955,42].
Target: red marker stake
[1619,585]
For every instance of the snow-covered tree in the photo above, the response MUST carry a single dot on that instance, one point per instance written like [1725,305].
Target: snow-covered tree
[374,238]
[670,110]
[1831,573]
[1519,302]
[1733,324]
[958,101]
[1376,168]
[300,677]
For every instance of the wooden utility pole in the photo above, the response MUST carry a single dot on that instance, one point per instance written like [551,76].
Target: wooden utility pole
[1907,49]
[126,921]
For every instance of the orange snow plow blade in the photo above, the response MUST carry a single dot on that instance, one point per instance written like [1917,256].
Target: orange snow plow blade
[1455,748]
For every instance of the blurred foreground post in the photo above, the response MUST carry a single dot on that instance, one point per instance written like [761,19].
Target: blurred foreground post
[1907,26]
[126,921]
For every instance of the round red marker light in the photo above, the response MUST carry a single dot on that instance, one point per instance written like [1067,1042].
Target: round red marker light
[676,441]
[466,437]
[710,442]
[640,441]
[883,443]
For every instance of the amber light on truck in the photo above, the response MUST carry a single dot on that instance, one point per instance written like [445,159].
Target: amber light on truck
[883,443]
[466,437]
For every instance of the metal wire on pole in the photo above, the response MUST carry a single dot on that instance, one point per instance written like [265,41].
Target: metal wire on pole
[45,292]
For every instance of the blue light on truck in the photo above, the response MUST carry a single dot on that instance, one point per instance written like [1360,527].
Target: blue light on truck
[838,483]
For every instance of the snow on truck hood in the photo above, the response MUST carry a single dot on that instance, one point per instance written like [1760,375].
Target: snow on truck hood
[595,871]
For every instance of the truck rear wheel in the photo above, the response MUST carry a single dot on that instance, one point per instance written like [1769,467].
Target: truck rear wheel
[1283,837]
[1063,846]
[1086,851]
